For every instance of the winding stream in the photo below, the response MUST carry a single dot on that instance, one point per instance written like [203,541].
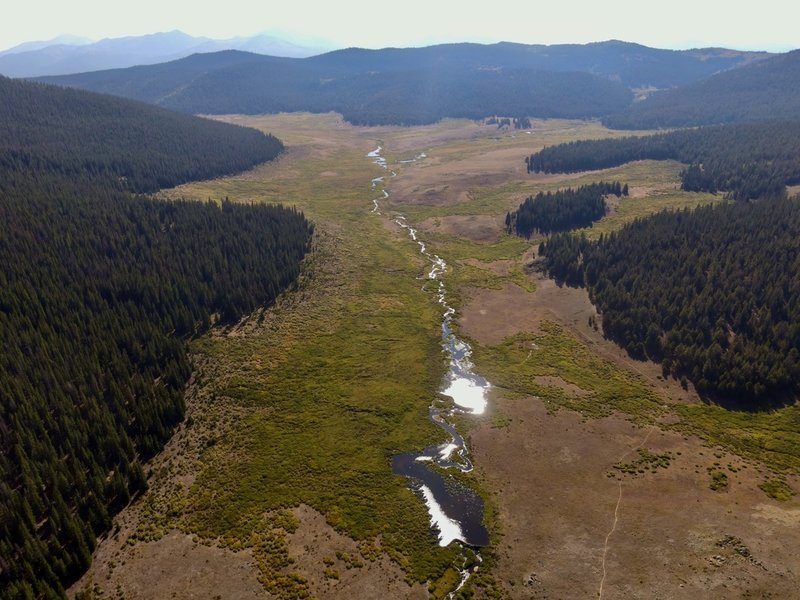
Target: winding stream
[456,511]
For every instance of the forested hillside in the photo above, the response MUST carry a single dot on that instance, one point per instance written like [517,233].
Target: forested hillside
[747,161]
[712,294]
[99,291]
[548,212]
[416,85]
[416,95]
[762,91]
[631,64]
[143,148]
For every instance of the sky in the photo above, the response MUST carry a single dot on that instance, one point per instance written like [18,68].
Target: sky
[679,24]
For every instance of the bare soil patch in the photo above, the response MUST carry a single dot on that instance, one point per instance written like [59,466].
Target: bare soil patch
[478,228]
[498,267]
[177,567]
[674,536]
[405,139]
[316,548]
[490,316]
[612,204]
[447,182]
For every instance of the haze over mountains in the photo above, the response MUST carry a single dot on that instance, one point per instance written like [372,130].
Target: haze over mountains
[758,92]
[71,54]
[417,85]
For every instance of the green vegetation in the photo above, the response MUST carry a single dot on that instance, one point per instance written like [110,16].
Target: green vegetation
[563,210]
[310,404]
[99,292]
[647,461]
[631,209]
[305,403]
[501,421]
[88,138]
[516,122]
[746,161]
[519,363]
[719,480]
[711,294]
[777,489]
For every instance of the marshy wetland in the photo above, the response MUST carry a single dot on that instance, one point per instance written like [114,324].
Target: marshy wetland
[280,482]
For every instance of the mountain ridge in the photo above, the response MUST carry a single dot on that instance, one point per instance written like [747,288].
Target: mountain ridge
[761,91]
[36,59]
[411,86]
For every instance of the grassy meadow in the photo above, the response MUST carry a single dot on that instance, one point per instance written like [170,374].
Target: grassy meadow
[306,403]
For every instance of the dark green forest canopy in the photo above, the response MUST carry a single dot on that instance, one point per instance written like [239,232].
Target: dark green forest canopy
[748,161]
[713,294]
[140,147]
[408,97]
[99,291]
[562,210]
[764,91]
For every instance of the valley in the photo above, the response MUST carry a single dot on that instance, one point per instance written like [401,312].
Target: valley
[599,477]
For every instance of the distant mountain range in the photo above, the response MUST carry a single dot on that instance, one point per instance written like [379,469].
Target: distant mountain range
[70,54]
[62,40]
[417,85]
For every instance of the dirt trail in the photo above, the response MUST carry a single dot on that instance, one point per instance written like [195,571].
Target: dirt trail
[616,510]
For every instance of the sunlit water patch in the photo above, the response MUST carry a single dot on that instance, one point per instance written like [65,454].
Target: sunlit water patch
[456,511]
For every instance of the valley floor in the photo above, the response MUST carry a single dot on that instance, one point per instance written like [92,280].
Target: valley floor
[597,473]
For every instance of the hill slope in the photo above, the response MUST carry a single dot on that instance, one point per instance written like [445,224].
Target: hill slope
[98,292]
[72,132]
[768,89]
[415,85]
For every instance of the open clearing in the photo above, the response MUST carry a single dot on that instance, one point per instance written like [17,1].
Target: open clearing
[597,473]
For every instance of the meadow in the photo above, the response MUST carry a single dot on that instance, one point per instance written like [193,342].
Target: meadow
[304,404]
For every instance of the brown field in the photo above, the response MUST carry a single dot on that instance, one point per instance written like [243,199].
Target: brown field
[673,537]
[569,530]
[668,535]
[477,228]
[566,522]
[316,542]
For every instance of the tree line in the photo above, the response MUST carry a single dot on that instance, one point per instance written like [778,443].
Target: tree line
[562,210]
[99,292]
[137,146]
[516,122]
[746,161]
[712,294]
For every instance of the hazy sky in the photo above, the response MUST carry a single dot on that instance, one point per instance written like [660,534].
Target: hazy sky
[768,24]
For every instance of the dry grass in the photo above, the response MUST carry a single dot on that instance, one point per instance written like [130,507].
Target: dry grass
[296,412]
